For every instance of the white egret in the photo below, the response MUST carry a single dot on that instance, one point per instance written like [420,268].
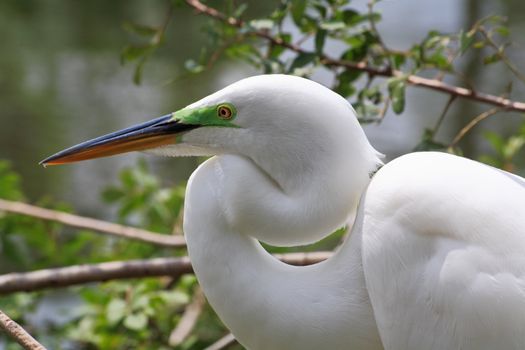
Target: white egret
[436,254]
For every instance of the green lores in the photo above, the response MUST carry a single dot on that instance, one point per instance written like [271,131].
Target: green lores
[218,115]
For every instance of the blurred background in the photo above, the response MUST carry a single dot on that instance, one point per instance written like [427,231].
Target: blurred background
[61,82]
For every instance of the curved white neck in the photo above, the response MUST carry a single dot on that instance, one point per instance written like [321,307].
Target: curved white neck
[268,304]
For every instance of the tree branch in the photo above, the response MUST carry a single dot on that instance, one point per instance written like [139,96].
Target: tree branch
[15,331]
[222,343]
[92,224]
[472,124]
[415,80]
[81,274]
[188,319]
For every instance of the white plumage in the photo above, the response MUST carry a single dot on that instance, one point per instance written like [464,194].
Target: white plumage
[435,257]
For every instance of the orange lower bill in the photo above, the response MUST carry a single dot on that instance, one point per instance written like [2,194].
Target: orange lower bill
[111,149]
[155,133]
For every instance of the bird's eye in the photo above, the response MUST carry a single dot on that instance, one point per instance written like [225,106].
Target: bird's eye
[224,112]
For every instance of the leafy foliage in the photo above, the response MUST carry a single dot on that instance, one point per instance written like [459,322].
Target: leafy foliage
[141,199]
[148,40]
[114,315]
[506,151]
[26,242]
[137,315]
[293,39]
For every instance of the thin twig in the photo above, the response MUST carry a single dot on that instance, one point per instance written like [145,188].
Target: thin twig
[217,53]
[188,320]
[472,124]
[15,331]
[383,111]
[159,36]
[502,55]
[303,39]
[415,80]
[87,273]
[222,343]
[371,20]
[92,224]
[451,100]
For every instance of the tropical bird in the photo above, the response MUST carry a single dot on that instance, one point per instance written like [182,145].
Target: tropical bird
[435,257]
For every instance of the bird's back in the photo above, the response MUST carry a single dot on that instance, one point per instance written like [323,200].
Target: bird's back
[444,254]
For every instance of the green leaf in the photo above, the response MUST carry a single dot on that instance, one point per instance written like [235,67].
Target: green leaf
[302,60]
[495,19]
[193,67]
[240,10]
[503,31]
[112,194]
[496,57]
[277,50]
[127,179]
[262,24]
[115,311]
[140,29]
[10,186]
[136,322]
[137,75]
[320,37]
[141,302]
[398,60]
[174,297]
[332,25]
[439,60]
[349,17]
[513,146]
[321,9]
[465,41]
[495,140]
[373,94]
[396,90]
[344,85]
[429,144]
[490,160]
[356,53]
[479,45]
[279,14]
[133,53]
[298,9]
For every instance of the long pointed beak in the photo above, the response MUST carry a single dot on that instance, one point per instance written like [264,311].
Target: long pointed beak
[155,133]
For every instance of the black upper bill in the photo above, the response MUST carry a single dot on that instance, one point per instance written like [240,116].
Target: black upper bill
[154,133]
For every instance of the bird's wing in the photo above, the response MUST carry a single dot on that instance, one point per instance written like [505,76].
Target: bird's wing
[444,254]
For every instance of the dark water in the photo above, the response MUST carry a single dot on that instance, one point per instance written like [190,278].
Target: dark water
[61,82]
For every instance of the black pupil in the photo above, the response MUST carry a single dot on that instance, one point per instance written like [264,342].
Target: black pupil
[224,112]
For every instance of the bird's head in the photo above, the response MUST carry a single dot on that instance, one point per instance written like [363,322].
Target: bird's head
[298,134]
[254,114]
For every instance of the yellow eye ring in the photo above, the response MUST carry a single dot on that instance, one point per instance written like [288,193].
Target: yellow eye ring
[224,112]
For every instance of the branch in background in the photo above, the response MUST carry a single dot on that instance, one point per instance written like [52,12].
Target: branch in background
[222,343]
[81,274]
[188,320]
[472,124]
[15,331]
[450,101]
[92,224]
[415,80]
